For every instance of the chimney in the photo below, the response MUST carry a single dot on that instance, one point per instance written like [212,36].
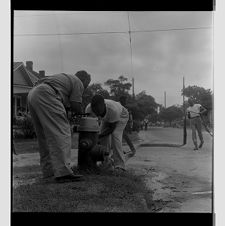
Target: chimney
[29,65]
[42,74]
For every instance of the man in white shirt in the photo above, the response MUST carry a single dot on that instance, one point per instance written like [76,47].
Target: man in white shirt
[194,112]
[114,118]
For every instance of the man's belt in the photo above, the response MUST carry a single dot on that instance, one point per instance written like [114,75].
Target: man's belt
[56,91]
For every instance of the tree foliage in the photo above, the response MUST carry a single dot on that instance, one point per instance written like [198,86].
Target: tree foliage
[199,95]
[143,106]
[171,113]
[93,89]
[118,87]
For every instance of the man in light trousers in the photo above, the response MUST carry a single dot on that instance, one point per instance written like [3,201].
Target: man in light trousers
[47,102]
[194,111]
[114,118]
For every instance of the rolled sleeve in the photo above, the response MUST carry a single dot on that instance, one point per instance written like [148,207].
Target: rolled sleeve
[77,92]
[88,110]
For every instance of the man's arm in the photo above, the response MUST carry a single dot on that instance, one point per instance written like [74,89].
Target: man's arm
[188,113]
[202,110]
[76,107]
[109,128]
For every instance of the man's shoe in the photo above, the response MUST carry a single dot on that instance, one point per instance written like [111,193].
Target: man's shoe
[69,178]
[195,149]
[200,144]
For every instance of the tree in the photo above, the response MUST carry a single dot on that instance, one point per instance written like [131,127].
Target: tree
[118,87]
[154,117]
[171,113]
[199,95]
[93,89]
[146,104]
[143,106]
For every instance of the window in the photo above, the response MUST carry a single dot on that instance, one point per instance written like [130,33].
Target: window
[17,104]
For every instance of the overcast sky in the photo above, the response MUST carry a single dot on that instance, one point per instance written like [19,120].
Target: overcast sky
[160,58]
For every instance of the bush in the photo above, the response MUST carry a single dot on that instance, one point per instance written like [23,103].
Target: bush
[25,128]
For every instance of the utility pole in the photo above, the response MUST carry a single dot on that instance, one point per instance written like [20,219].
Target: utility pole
[165,99]
[185,121]
[131,55]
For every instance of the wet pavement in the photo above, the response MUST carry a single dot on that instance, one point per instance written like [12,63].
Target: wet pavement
[180,177]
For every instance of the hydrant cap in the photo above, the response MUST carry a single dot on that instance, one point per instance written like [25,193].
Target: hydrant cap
[88,124]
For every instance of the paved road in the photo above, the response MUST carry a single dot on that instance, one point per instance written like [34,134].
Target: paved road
[180,177]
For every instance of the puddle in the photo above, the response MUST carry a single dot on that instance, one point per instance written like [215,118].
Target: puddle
[198,205]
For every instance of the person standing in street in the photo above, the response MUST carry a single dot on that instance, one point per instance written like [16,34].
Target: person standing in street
[146,123]
[114,118]
[194,112]
[47,103]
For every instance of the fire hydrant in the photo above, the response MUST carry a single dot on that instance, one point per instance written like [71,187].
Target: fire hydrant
[89,151]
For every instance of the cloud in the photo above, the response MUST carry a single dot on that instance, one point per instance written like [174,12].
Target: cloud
[160,59]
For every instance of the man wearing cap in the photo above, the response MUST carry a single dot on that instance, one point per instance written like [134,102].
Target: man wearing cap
[114,118]
[47,102]
[194,112]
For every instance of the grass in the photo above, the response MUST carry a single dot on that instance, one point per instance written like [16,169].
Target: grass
[31,145]
[23,146]
[106,192]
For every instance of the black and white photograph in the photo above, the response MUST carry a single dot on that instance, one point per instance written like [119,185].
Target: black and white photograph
[112,111]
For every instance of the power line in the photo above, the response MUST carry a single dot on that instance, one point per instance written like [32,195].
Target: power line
[173,29]
[64,14]
[116,32]
[131,54]
[76,33]
[52,14]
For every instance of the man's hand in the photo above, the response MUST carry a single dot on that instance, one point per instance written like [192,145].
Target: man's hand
[202,110]
[189,115]
[108,129]
[76,107]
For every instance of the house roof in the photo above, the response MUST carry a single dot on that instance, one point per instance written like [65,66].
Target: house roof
[17,65]
[32,75]
[20,66]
